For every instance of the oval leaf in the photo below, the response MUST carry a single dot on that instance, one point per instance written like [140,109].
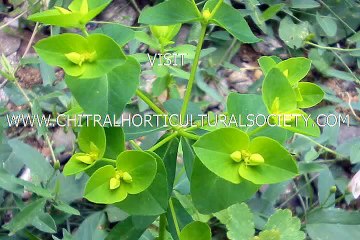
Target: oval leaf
[214,150]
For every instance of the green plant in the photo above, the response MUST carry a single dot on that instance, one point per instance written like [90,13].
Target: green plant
[224,165]
[96,59]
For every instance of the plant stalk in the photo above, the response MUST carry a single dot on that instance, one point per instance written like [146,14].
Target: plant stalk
[162,227]
[164,141]
[150,103]
[193,72]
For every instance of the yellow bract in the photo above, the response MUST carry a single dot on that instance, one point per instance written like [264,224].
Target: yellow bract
[62,10]
[255,159]
[116,180]
[85,159]
[159,31]
[114,183]
[91,157]
[206,14]
[250,159]
[80,58]
[84,9]
[127,177]
[236,156]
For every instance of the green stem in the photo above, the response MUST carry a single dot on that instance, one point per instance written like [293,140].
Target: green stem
[339,199]
[135,145]
[216,8]
[135,6]
[23,92]
[84,31]
[346,67]
[189,135]
[111,161]
[50,146]
[164,141]
[297,192]
[173,214]
[339,18]
[321,146]
[150,103]
[333,48]
[162,227]
[193,72]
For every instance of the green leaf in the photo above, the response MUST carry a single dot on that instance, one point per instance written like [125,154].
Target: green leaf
[25,216]
[231,19]
[238,220]
[98,190]
[325,183]
[92,228]
[120,34]
[188,155]
[206,185]
[278,164]
[93,56]
[293,34]
[169,13]
[18,186]
[304,4]
[196,230]
[288,226]
[214,150]
[150,202]
[303,123]
[270,12]
[131,228]
[295,69]
[182,216]
[54,17]
[244,105]
[333,224]
[169,152]
[92,141]
[311,94]
[38,165]
[327,23]
[278,94]
[9,185]
[61,206]
[269,235]
[76,17]
[266,63]
[115,142]
[74,165]
[45,223]
[111,95]
[92,134]
[140,166]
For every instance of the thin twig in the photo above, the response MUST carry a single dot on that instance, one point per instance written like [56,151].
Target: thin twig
[13,20]
[3,83]
[31,40]
[136,6]
[297,192]
[346,66]
[320,145]
[338,17]
[351,108]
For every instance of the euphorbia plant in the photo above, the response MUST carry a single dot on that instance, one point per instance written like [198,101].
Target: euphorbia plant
[224,165]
